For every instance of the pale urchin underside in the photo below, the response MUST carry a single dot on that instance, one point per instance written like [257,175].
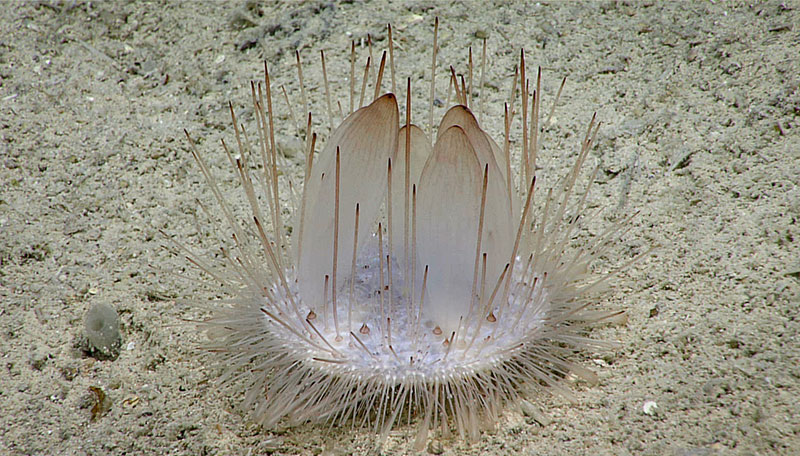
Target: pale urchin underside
[423,275]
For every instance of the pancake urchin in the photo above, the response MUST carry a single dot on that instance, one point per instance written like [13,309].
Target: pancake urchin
[423,279]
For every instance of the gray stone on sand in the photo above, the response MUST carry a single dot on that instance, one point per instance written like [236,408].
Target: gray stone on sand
[101,330]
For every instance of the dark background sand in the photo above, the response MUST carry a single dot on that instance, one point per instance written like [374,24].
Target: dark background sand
[700,105]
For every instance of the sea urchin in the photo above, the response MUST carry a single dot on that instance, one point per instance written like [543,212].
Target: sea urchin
[421,279]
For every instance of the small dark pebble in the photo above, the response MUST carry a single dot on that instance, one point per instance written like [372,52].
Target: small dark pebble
[435,447]
[101,403]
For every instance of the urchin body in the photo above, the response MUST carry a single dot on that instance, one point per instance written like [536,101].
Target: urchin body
[421,281]
[374,371]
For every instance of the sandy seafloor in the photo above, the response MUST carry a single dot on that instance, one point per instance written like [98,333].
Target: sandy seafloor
[701,133]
